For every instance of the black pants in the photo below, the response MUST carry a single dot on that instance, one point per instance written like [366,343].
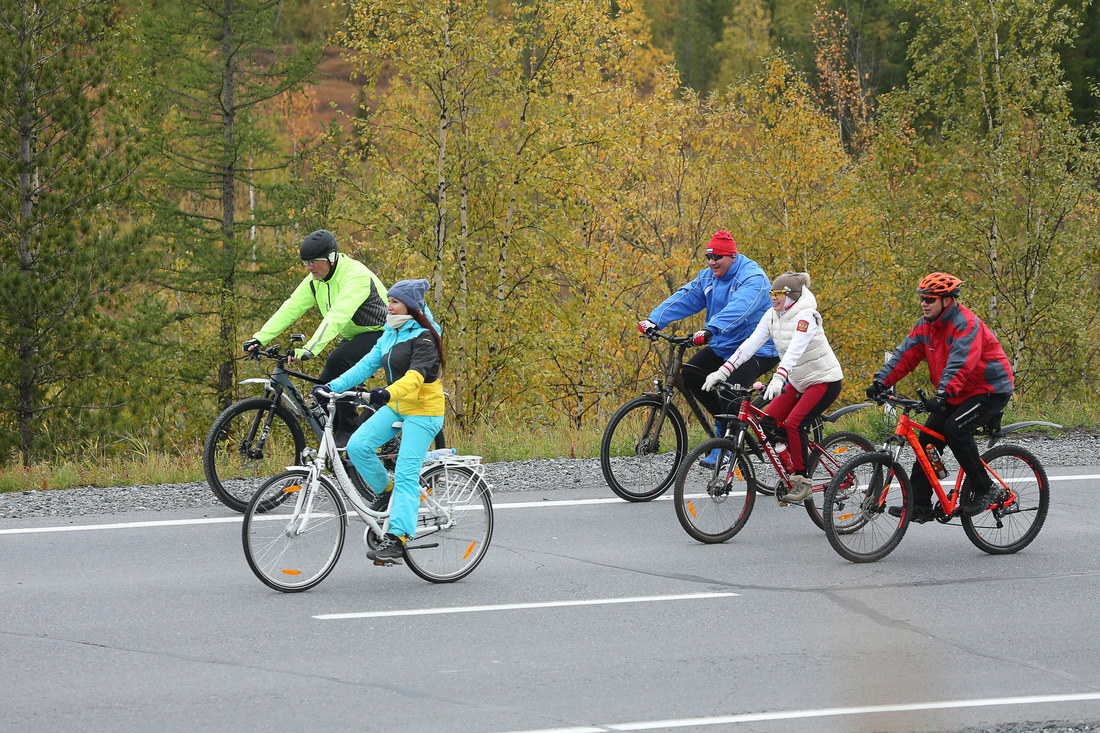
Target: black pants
[342,358]
[958,424]
[707,361]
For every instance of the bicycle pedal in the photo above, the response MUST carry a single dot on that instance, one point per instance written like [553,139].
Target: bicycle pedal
[388,563]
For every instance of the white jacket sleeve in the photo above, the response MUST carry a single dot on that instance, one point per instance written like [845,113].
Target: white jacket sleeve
[751,345]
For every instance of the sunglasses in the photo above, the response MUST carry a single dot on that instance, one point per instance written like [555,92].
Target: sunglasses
[307,263]
[714,257]
[928,298]
[779,293]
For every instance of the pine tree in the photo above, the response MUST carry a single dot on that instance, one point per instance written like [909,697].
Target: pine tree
[67,250]
[218,71]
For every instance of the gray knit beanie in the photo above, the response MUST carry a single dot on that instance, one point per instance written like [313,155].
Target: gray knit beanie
[409,292]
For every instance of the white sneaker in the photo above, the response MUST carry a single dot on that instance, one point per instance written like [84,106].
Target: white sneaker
[801,488]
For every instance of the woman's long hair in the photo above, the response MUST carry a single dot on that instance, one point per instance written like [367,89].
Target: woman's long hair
[420,318]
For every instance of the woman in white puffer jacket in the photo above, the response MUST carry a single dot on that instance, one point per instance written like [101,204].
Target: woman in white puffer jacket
[808,378]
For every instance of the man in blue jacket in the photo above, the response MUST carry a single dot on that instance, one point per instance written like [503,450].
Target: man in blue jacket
[734,292]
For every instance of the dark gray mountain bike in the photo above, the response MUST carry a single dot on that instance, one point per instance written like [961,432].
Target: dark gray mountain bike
[257,437]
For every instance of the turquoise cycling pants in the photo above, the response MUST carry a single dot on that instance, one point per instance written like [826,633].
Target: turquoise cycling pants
[417,435]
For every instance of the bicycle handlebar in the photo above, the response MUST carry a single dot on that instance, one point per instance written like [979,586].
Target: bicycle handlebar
[274,352]
[653,334]
[736,391]
[890,398]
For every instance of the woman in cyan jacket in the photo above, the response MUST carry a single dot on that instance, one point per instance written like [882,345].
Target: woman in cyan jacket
[411,355]
[808,378]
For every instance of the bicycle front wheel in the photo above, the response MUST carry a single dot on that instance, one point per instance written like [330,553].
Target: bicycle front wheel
[246,445]
[1010,524]
[856,507]
[292,540]
[831,453]
[454,528]
[713,503]
[639,453]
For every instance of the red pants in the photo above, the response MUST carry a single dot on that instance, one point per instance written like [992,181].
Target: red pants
[797,409]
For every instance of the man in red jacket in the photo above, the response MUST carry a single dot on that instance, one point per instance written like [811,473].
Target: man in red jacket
[973,385]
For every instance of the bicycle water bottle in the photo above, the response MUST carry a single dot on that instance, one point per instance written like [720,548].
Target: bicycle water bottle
[936,461]
[784,456]
[440,453]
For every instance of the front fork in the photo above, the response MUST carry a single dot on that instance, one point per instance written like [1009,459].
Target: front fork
[304,500]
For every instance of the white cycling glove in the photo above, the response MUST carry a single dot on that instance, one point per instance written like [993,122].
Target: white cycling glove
[719,375]
[776,385]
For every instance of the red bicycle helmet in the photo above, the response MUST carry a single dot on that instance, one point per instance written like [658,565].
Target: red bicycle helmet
[940,284]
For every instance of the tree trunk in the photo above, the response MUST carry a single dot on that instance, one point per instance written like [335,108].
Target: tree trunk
[227,321]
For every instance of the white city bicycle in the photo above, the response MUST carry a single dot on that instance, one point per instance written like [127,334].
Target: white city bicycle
[295,524]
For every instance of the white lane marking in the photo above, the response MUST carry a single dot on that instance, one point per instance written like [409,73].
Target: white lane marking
[822,713]
[496,507]
[520,606]
[123,525]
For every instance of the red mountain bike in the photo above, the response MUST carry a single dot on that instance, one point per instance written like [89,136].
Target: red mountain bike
[857,500]
[713,503]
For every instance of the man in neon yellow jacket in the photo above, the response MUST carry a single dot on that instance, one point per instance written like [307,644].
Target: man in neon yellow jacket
[352,301]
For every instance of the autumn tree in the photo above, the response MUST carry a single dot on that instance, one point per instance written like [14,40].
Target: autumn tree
[68,250]
[478,143]
[1002,178]
[746,41]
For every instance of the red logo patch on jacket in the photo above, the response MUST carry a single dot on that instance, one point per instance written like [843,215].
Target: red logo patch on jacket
[803,326]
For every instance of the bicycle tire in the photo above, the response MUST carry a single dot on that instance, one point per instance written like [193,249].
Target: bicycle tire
[714,503]
[634,469]
[857,522]
[451,553]
[236,462]
[832,453]
[1005,529]
[280,557]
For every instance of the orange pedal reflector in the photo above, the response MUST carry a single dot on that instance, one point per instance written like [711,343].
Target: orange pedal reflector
[291,572]
[469,550]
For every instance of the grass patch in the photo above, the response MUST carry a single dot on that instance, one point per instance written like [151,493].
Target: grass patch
[876,425]
[139,463]
[129,468]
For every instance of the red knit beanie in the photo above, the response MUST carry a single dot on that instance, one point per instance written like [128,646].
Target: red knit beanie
[722,244]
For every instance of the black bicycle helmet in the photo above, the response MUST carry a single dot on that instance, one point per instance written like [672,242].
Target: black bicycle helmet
[319,245]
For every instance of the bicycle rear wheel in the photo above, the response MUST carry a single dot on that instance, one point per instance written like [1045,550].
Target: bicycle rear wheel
[639,454]
[238,456]
[284,555]
[714,503]
[446,549]
[1010,524]
[856,519]
[833,451]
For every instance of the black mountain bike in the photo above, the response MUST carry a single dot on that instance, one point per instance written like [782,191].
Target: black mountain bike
[257,437]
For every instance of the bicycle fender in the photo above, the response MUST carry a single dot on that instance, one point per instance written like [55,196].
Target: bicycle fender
[834,416]
[1006,429]
[254,380]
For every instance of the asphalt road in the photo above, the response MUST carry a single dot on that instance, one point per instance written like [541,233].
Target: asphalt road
[588,614]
